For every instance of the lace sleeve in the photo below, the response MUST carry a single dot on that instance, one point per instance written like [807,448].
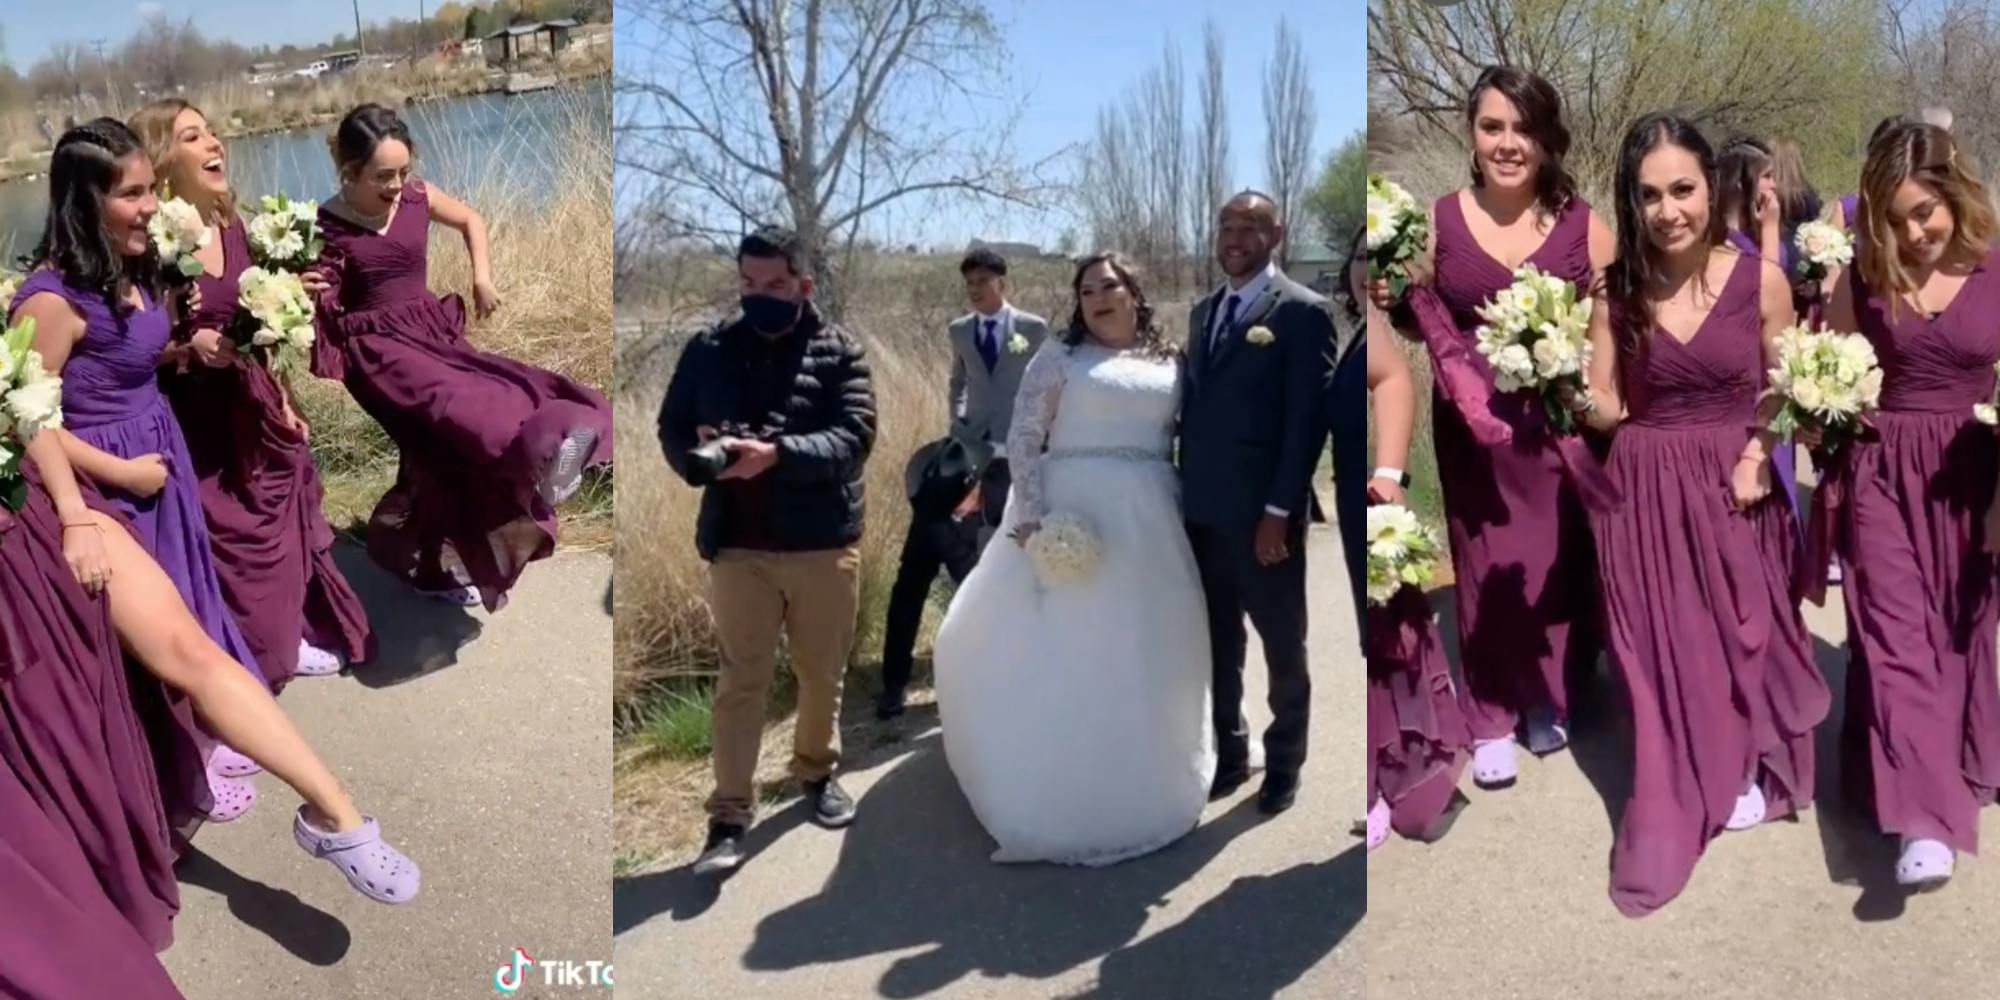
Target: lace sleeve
[1034,414]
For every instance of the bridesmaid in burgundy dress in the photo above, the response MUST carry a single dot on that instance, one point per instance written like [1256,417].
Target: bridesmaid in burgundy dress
[489,445]
[1919,524]
[1416,732]
[1521,548]
[1696,567]
[102,201]
[86,852]
[260,491]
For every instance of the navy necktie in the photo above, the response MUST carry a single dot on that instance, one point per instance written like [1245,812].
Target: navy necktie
[989,348]
[1222,329]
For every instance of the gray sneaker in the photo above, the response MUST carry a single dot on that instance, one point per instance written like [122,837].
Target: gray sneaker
[723,852]
[832,806]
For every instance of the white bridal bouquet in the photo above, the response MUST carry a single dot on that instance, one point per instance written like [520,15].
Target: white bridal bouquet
[1828,381]
[1537,336]
[281,315]
[285,235]
[1397,232]
[10,283]
[1402,552]
[1822,247]
[33,403]
[1064,550]
[1987,413]
[178,230]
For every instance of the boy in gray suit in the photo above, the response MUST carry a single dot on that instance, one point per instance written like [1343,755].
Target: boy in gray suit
[990,348]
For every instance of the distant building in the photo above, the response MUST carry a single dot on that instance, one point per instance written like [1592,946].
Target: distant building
[1011,251]
[1315,265]
[523,41]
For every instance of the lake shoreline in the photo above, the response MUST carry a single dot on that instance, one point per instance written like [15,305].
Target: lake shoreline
[35,164]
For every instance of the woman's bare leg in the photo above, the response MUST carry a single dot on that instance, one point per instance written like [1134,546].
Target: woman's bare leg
[155,625]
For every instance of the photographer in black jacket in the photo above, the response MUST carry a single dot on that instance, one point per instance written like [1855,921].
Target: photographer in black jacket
[773,415]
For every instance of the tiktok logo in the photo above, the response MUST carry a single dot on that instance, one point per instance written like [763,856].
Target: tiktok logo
[508,978]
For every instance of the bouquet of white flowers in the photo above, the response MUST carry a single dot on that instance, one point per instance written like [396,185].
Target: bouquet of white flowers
[1988,413]
[1827,380]
[279,316]
[285,235]
[10,283]
[178,230]
[1402,552]
[1537,336]
[33,403]
[1396,233]
[1822,247]
[1064,550]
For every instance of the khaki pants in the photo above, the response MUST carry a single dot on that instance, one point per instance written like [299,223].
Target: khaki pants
[813,597]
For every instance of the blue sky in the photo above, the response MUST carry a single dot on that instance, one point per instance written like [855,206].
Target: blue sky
[1071,58]
[33,26]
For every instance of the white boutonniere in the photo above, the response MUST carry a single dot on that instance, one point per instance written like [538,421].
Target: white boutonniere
[1261,336]
[1017,344]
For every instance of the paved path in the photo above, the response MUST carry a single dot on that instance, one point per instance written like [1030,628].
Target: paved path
[905,903]
[488,762]
[1512,902]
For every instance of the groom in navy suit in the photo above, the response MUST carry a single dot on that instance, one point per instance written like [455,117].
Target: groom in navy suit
[1251,434]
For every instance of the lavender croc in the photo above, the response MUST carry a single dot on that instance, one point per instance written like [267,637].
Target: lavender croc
[1378,824]
[1749,811]
[232,797]
[1493,763]
[1925,864]
[230,763]
[371,866]
[317,662]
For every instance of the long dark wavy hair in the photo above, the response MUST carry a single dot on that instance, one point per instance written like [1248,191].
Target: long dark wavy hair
[1540,108]
[1637,267]
[83,171]
[1152,342]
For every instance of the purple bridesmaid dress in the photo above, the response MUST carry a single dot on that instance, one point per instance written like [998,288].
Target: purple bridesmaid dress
[111,400]
[1520,543]
[1785,460]
[475,429]
[1699,617]
[86,850]
[261,495]
[1417,737]
[1919,583]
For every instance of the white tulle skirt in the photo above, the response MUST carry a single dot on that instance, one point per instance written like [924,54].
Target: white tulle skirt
[1076,718]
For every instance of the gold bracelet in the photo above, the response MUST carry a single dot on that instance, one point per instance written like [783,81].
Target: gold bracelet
[82,524]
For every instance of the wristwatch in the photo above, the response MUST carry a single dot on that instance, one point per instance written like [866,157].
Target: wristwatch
[1397,476]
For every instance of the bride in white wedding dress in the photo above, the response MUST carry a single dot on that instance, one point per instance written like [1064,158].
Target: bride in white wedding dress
[1076,716]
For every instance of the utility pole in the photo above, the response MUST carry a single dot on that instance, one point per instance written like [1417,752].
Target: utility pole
[359,46]
[110,93]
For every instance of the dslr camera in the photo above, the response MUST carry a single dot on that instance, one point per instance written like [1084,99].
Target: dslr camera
[707,462]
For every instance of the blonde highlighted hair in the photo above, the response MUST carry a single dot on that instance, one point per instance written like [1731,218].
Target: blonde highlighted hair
[1928,155]
[154,124]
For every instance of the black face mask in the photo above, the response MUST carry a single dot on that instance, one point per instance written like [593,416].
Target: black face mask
[769,314]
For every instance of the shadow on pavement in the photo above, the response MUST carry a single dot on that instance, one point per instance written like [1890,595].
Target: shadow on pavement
[414,635]
[311,934]
[1856,852]
[919,876]
[1275,928]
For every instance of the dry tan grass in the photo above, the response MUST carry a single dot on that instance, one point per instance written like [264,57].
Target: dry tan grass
[552,261]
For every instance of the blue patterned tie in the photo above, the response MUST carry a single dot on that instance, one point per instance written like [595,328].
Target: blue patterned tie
[989,348]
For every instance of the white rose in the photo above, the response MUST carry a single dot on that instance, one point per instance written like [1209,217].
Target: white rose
[37,403]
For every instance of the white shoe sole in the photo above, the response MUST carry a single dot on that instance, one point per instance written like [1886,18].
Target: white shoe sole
[565,472]
[712,866]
